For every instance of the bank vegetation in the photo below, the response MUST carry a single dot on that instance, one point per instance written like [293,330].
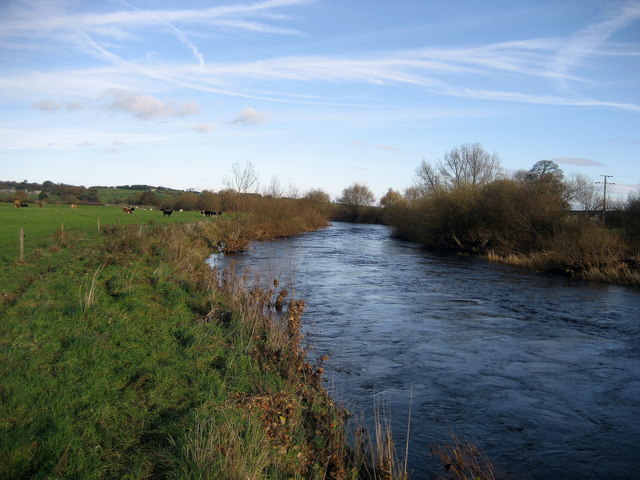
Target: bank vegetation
[126,356]
[537,219]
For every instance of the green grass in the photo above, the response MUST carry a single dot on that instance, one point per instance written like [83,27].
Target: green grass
[40,224]
[122,357]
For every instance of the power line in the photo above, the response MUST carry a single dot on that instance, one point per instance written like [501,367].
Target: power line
[604,200]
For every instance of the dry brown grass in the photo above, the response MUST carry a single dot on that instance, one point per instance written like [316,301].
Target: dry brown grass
[463,460]
[373,451]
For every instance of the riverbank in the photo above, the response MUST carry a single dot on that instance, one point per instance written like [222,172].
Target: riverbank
[123,356]
[521,364]
[521,233]
[620,271]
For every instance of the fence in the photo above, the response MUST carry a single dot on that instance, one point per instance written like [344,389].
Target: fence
[41,225]
[25,243]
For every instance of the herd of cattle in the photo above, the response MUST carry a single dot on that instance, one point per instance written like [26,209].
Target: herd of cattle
[130,210]
[206,213]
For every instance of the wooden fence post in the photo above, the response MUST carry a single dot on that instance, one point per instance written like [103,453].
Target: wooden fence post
[21,245]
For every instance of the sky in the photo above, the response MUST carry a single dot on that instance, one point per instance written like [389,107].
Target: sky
[315,93]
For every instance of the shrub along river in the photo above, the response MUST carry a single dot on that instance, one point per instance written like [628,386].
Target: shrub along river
[542,372]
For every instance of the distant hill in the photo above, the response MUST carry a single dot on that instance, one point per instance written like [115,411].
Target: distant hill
[66,193]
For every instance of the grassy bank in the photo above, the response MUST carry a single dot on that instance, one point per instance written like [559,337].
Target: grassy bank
[124,357]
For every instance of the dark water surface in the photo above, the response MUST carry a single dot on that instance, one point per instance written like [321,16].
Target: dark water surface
[542,372]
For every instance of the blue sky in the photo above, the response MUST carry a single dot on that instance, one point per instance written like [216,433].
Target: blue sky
[315,93]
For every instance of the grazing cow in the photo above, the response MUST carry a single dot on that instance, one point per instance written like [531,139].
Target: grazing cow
[39,204]
[73,205]
[128,210]
[17,203]
[208,213]
[167,213]
[24,205]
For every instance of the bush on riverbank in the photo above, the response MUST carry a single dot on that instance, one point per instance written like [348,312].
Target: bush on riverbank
[525,221]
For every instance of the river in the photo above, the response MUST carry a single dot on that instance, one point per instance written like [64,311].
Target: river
[542,372]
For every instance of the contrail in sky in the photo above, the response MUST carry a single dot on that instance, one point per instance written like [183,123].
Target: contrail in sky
[179,34]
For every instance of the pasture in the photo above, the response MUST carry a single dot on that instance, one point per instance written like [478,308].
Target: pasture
[40,224]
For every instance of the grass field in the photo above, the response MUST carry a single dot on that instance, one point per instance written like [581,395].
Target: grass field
[40,224]
[124,357]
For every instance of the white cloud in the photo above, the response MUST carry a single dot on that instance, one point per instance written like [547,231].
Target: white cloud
[388,147]
[75,106]
[47,105]
[147,107]
[250,116]
[45,20]
[578,161]
[204,128]
[443,71]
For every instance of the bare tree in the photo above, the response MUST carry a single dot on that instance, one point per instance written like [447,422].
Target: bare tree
[468,164]
[412,194]
[428,180]
[274,189]
[583,193]
[242,181]
[293,191]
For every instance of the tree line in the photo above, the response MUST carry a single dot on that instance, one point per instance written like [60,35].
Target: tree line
[465,202]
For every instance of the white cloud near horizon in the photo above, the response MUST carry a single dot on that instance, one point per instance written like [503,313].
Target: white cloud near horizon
[388,147]
[578,161]
[70,138]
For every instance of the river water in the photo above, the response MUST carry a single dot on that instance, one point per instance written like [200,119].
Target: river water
[542,372]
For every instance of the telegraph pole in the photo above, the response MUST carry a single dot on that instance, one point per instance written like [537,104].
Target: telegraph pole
[604,200]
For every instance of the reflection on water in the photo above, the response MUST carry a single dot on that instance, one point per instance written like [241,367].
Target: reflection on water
[543,372]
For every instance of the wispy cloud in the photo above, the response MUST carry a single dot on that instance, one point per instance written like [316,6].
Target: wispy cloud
[588,41]
[204,128]
[495,72]
[250,116]
[47,105]
[578,161]
[47,20]
[388,147]
[147,107]
[182,37]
